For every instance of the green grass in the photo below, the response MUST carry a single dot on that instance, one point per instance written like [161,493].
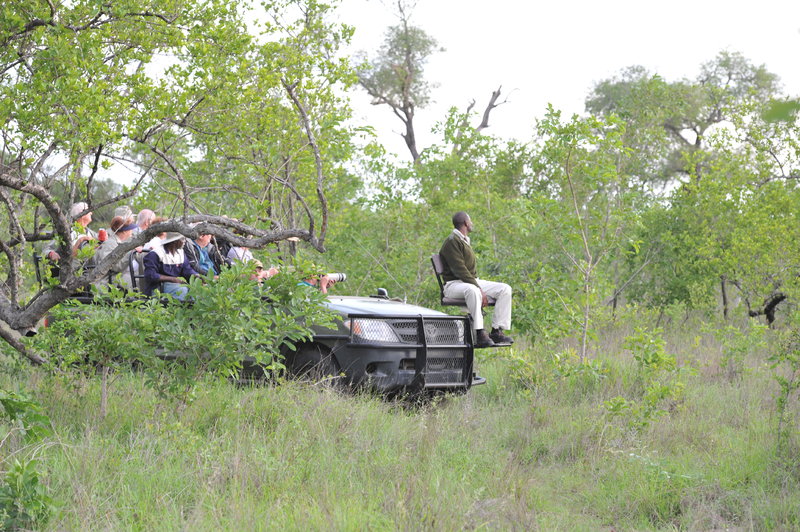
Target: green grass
[505,456]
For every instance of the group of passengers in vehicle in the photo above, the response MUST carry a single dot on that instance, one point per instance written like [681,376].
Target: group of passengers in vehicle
[168,260]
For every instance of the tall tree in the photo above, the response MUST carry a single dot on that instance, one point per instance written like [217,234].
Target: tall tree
[396,76]
[669,122]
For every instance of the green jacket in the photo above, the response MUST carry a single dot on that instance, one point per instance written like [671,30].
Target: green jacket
[458,260]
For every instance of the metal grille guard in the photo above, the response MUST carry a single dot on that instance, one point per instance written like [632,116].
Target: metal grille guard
[421,347]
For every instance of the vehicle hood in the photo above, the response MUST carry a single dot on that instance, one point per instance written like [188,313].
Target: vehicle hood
[369,305]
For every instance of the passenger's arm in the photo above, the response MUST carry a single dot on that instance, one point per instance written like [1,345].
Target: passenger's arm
[49,251]
[187,270]
[151,270]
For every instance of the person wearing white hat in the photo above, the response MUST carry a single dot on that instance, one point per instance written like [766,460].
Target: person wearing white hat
[168,265]
[124,212]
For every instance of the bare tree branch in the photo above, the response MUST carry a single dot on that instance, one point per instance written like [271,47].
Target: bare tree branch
[317,241]
[489,107]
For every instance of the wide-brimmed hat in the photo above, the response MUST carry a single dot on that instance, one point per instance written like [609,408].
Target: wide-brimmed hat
[171,237]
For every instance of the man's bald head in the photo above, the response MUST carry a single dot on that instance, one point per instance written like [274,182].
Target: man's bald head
[460,219]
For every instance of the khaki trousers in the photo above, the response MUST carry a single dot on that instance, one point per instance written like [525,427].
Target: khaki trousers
[501,292]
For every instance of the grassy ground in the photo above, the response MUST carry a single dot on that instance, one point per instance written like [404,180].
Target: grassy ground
[532,449]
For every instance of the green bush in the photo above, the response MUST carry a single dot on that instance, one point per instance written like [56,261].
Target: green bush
[24,501]
[658,385]
[225,322]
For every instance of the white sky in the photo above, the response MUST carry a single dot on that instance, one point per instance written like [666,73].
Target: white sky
[554,52]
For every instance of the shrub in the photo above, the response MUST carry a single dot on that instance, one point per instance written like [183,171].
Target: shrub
[228,320]
[24,502]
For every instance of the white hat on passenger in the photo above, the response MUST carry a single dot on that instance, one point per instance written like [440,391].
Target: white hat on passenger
[171,237]
[78,208]
[124,212]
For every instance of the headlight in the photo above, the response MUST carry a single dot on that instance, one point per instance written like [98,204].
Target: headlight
[368,331]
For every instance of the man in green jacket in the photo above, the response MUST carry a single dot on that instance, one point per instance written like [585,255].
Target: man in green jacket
[461,282]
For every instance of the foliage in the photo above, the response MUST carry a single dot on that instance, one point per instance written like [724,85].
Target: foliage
[395,76]
[209,111]
[596,201]
[668,120]
[231,320]
[497,457]
[658,386]
[725,180]
[785,364]
[533,374]
[649,350]
[228,321]
[24,500]
[736,343]
[112,334]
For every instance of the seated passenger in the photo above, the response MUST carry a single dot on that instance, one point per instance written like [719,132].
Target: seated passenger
[203,255]
[144,219]
[244,255]
[154,243]
[168,265]
[260,273]
[79,235]
[119,232]
[157,240]
[124,212]
[322,282]
[240,254]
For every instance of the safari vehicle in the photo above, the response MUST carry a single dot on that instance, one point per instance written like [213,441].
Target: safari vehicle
[390,346]
[379,344]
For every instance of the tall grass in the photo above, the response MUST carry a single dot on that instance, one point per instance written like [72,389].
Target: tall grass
[505,456]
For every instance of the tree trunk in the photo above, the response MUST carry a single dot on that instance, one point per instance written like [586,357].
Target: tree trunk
[614,307]
[724,297]
[410,137]
[104,370]
[587,286]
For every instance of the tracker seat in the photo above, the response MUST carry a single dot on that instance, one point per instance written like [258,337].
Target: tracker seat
[438,270]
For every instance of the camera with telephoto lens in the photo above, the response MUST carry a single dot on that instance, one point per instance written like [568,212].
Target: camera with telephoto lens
[337,277]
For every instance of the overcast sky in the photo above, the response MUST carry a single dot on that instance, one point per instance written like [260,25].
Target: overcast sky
[554,52]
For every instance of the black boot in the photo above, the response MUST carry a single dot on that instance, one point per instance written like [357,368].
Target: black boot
[482,339]
[498,337]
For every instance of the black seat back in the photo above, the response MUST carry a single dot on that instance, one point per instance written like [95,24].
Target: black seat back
[438,269]
[139,282]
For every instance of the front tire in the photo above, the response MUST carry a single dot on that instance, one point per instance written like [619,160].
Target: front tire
[313,362]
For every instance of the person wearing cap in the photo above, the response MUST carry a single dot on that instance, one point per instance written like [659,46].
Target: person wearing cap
[203,256]
[119,232]
[261,273]
[168,265]
[245,256]
[321,282]
[461,282]
[79,235]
